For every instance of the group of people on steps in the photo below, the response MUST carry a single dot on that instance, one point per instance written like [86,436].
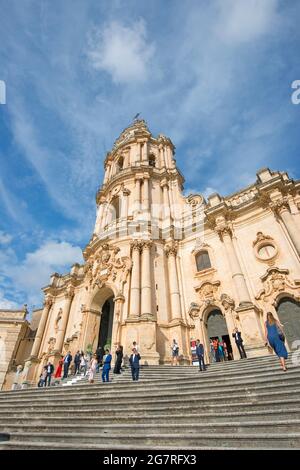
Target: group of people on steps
[274,340]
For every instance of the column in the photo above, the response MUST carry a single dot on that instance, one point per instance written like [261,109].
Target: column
[146,304]
[145,197]
[41,328]
[281,209]
[161,157]
[64,320]
[137,196]
[135,280]
[171,251]
[145,152]
[115,337]
[99,217]
[236,271]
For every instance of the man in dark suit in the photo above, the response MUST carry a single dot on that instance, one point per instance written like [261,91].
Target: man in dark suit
[67,362]
[200,354]
[239,342]
[77,360]
[134,361]
[50,370]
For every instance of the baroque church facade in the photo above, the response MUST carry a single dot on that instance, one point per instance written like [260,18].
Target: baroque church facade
[163,266]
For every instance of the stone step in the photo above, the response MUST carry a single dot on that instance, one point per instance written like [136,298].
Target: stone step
[199,389]
[121,430]
[180,440]
[171,399]
[164,417]
[181,408]
[35,445]
[202,378]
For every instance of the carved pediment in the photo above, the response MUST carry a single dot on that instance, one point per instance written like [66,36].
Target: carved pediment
[275,281]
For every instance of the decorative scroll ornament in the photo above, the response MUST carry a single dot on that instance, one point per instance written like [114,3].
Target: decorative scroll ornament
[51,344]
[195,201]
[208,291]
[261,238]
[106,265]
[227,302]
[275,281]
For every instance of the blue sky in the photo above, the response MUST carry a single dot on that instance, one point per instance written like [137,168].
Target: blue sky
[213,76]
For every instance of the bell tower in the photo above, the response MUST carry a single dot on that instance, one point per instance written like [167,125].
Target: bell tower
[137,213]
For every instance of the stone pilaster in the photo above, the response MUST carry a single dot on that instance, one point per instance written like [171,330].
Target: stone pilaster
[64,320]
[41,328]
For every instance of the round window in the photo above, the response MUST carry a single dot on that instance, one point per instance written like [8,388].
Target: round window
[266,252]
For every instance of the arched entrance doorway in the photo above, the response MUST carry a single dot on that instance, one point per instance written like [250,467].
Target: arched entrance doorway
[101,320]
[106,323]
[217,329]
[288,311]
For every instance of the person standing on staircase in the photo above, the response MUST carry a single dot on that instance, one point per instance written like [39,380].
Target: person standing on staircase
[119,359]
[175,352]
[275,338]
[67,362]
[92,369]
[239,343]
[106,366]
[134,361]
[50,370]
[200,355]
[77,363]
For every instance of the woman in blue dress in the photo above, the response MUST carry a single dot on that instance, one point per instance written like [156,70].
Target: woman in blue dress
[275,338]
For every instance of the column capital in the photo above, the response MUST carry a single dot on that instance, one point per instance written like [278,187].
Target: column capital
[171,248]
[280,205]
[146,244]
[69,294]
[136,245]
[164,183]
[223,230]
[48,301]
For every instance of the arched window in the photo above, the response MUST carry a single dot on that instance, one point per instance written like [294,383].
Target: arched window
[203,261]
[115,207]
[152,160]
[120,164]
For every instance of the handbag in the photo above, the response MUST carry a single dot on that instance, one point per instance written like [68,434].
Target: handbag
[280,333]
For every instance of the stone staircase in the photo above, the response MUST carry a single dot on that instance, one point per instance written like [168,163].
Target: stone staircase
[248,404]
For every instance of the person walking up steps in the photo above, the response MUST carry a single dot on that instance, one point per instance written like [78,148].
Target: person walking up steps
[274,335]
[106,366]
[175,352]
[134,361]
[200,355]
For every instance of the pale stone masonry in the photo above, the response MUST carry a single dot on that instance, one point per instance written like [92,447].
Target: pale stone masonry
[162,266]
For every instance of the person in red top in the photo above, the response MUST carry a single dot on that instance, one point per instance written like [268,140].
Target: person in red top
[59,369]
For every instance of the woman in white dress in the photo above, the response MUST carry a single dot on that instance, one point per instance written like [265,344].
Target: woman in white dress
[92,370]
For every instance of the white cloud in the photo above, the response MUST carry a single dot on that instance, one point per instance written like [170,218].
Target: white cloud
[30,275]
[246,20]
[122,51]
[5,238]
[7,304]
